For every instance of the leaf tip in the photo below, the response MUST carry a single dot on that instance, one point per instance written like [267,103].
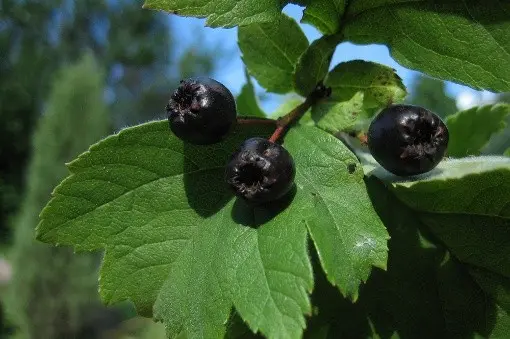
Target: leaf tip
[40,234]
[352,296]
[69,164]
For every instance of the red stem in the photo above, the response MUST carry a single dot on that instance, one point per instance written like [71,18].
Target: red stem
[255,121]
[284,123]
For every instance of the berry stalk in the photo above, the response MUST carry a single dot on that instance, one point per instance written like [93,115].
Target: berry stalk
[255,121]
[285,122]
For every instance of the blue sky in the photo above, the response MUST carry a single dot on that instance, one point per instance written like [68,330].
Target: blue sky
[231,72]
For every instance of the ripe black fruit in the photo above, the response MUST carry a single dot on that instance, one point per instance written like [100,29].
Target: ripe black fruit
[201,111]
[260,171]
[407,140]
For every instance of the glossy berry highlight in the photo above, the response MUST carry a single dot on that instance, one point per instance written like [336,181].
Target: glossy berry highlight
[201,111]
[407,140]
[260,171]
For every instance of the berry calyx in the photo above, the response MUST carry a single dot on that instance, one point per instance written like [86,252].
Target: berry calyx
[407,140]
[201,111]
[260,171]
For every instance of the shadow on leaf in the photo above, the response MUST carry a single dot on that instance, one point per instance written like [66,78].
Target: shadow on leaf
[466,308]
[407,290]
[420,295]
[333,316]
[418,291]
[204,168]
[256,215]
[204,182]
[238,329]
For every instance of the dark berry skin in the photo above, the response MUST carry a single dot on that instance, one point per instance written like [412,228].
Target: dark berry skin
[407,140]
[260,171]
[201,111]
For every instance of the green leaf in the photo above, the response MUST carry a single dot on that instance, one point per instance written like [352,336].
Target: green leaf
[157,206]
[380,84]
[335,316]
[404,298]
[191,300]
[139,195]
[400,302]
[271,52]
[423,294]
[502,324]
[247,103]
[227,13]
[276,307]
[472,185]
[497,288]
[325,15]
[161,209]
[466,204]
[335,116]
[507,152]
[175,238]
[313,65]
[495,285]
[476,185]
[499,142]
[231,257]
[471,130]
[477,240]
[359,90]
[348,235]
[467,311]
[237,329]
[359,6]
[437,38]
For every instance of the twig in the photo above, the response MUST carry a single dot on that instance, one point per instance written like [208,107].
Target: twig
[293,116]
[255,121]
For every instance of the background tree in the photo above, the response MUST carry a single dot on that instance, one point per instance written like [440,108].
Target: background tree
[500,142]
[431,93]
[51,287]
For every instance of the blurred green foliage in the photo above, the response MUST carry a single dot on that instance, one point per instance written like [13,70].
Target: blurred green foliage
[431,93]
[52,289]
[500,142]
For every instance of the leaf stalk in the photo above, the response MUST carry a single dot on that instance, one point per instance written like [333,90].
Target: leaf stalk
[284,123]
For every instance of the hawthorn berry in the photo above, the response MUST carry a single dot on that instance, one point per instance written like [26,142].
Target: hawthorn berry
[201,111]
[260,171]
[407,140]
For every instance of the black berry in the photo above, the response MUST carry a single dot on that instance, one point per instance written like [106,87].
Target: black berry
[201,111]
[407,140]
[260,171]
